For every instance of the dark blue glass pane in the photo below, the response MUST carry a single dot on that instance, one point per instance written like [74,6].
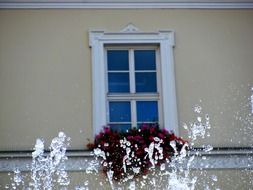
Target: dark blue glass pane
[117,60]
[145,82]
[120,111]
[144,60]
[147,111]
[120,127]
[118,82]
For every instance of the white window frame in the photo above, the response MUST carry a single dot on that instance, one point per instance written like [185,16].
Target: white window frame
[99,39]
[134,96]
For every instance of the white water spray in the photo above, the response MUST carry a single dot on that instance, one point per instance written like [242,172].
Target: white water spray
[47,167]
[251,99]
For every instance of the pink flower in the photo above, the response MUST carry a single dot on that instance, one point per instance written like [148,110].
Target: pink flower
[139,140]
[144,126]
[161,136]
[164,131]
[107,129]
[152,130]
[130,138]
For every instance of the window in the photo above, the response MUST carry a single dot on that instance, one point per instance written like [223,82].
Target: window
[133,86]
[133,79]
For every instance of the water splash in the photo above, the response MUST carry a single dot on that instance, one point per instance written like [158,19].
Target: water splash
[46,167]
[251,100]
[50,167]
[177,182]
[176,171]
[18,181]
[179,178]
[199,127]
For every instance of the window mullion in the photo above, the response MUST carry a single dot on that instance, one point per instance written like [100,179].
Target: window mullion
[132,87]
[131,71]
[134,113]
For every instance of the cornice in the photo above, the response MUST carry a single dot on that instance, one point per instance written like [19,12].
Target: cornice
[140,4]
[81,160]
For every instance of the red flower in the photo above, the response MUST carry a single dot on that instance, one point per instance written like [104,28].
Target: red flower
[130,138]
[90,146]
[151,138]
[160,135]
[114,145]
[152,130]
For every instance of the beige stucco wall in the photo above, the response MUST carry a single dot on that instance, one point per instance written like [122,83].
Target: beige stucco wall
[226,179]
[45,70]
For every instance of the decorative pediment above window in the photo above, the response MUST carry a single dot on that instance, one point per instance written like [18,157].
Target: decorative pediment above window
[130,28]
[131,34]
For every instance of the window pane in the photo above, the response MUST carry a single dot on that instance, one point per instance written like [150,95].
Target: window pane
[120,111]
[147,111]
[117,60]
[120,127]
[118,82]
[145,82]
[144,60]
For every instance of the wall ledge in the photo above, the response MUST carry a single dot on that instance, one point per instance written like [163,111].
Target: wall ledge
[219,158]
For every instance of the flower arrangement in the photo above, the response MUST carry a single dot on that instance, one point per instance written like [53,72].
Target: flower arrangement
[135,152]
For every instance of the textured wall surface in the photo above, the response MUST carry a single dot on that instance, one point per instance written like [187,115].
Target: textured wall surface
[45,71]
[226,179]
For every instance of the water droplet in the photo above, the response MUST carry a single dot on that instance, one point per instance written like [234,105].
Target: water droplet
[86,183]
[208,148]
[214,178]
[185,126]
[162,167]
[197,109]
[7,186]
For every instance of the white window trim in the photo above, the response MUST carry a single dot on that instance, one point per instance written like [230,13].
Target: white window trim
[132,96]
[98,39]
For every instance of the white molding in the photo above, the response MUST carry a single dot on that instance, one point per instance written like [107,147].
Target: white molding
[127,5]
[130,28]
[80,161]
[165,39]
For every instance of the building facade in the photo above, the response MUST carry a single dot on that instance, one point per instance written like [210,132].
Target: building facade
[58,73]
